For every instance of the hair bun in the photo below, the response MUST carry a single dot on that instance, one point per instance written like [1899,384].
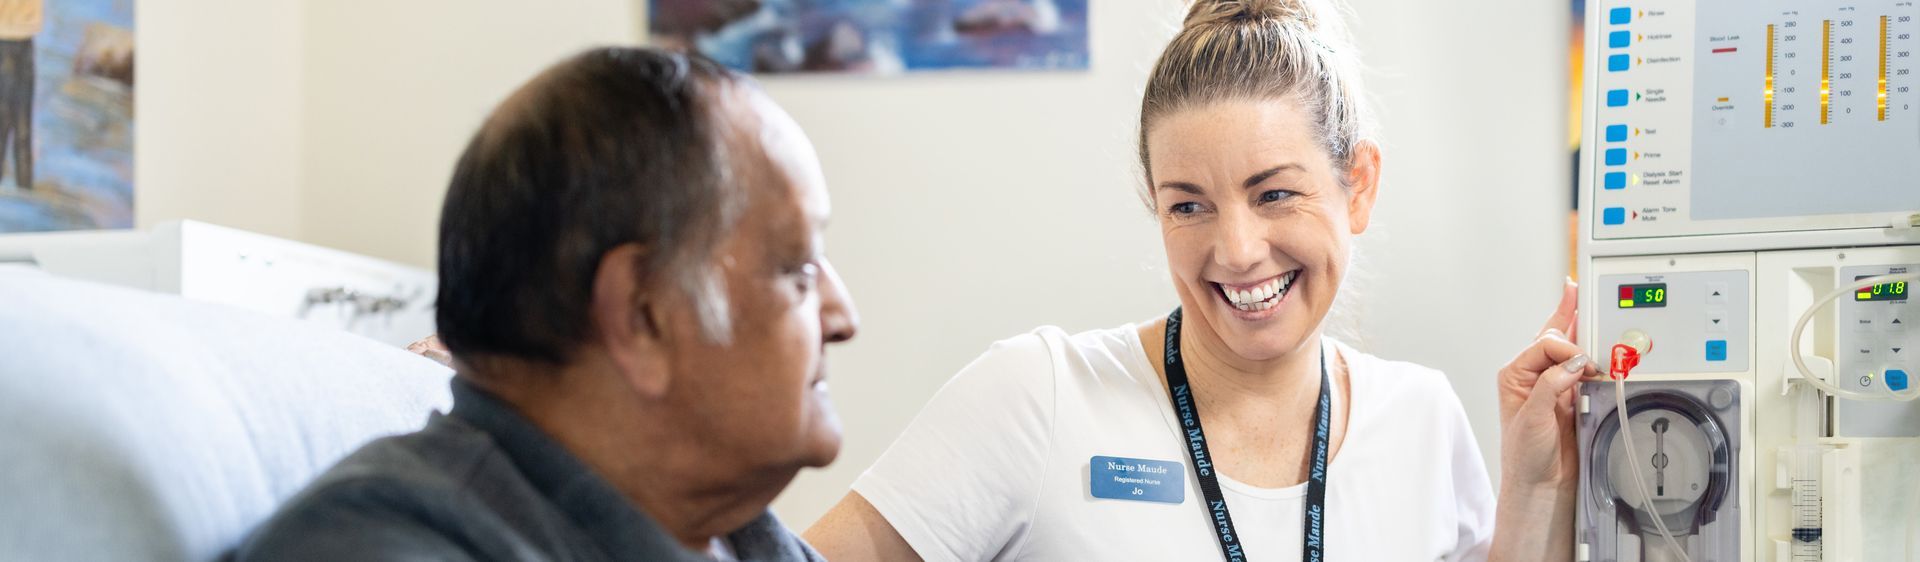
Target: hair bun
[1211,12]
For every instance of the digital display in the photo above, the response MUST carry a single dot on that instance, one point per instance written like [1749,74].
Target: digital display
[1896,291]
[1649,295]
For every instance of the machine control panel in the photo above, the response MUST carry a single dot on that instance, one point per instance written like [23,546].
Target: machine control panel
[1743,116]
[1875,342]
[1697,319]
[1875,347]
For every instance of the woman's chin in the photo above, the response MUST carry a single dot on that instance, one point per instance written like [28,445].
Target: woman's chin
[1263,346]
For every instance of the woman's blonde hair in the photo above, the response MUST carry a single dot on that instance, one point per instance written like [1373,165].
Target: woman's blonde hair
[1235,50]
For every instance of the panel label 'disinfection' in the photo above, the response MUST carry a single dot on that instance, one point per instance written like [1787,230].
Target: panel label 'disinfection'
[1733,116]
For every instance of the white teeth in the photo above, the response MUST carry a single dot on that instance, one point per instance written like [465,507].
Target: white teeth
[1262,297]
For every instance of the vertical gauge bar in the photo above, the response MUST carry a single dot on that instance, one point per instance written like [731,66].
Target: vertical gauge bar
[1882,99]
[1826,70]
[1768,93]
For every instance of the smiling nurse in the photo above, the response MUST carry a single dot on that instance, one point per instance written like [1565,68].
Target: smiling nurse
[1232,427]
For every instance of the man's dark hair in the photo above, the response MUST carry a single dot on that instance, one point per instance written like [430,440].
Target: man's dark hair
[609,147]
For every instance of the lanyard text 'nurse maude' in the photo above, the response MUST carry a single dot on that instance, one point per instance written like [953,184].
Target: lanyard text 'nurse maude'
[1181,392]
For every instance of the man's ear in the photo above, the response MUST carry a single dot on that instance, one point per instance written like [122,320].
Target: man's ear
[1363,182]
[624,312]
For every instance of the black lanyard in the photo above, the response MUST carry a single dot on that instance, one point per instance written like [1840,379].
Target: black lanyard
[1316,504]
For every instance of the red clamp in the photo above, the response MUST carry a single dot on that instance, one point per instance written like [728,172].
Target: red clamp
[1625,358]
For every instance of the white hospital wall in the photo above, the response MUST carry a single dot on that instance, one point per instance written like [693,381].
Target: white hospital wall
[394,90]
[969,206]
[217,107]
[1473,247]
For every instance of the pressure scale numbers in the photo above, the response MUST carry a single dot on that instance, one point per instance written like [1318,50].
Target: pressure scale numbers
[1847,65]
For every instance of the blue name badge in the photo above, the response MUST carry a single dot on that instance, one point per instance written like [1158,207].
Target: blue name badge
[1120,478]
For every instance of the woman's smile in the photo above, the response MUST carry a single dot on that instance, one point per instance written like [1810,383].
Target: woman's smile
[1258,300]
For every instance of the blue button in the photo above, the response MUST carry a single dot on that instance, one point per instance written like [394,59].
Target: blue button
[1619,16]
[1616,156]
[1618,63]
[1716,350]
[1616,98]
[1616,133]
[1896,379]
[1613,215]
[1616,180]
[1619,39]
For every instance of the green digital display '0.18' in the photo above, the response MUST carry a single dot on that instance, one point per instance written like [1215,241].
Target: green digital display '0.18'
[1896,291]
[1648,295]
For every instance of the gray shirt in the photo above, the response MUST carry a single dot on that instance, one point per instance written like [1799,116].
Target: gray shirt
[480,483]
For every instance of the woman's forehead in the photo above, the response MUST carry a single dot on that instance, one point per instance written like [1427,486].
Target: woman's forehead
[1234,134]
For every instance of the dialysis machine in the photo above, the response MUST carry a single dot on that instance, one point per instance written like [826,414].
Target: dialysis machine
[1751,182]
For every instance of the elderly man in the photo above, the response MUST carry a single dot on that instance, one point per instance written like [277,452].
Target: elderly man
[634,287]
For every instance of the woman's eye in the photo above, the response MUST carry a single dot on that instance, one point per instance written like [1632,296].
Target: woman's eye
[1275,195]
[1186,208]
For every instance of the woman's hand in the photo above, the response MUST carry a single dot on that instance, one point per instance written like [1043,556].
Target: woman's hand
[1538,449]
[431,348]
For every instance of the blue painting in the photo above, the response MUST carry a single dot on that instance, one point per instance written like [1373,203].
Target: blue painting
[66,114]
[876,36]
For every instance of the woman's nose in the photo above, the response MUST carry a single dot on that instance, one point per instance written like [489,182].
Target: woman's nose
[1241,243]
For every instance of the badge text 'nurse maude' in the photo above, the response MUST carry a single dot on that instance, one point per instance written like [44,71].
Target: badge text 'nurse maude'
[1149,480]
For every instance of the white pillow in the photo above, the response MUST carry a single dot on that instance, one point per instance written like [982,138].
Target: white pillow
[140,426]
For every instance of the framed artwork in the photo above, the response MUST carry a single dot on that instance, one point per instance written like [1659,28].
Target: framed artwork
[876,37]
[66,114]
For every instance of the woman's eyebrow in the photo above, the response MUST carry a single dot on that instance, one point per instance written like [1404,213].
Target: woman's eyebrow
[1255,179]
[1181,186]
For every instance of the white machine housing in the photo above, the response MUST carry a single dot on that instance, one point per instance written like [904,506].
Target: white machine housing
[1745,157]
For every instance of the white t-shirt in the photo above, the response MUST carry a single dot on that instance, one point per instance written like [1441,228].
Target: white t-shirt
[996,467]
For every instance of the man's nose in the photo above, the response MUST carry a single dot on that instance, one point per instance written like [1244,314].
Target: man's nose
[838,319]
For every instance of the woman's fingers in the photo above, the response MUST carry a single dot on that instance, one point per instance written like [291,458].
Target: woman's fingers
[1549,350]
[1556,380]
[431,348]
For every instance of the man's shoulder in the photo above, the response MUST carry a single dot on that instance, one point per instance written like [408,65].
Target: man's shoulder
[396,497]
[436,461]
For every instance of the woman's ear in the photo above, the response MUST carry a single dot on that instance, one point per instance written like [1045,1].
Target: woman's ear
[624,312]
[1363,184]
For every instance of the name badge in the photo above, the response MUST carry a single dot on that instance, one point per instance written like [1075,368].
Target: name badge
[1146,480]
